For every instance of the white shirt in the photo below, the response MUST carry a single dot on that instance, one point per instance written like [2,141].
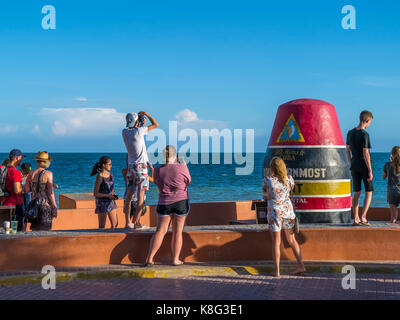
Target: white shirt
[135,145]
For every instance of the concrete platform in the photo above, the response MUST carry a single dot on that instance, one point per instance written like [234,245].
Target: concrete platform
[70,248]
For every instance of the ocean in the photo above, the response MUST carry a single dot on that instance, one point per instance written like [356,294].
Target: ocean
[210,182]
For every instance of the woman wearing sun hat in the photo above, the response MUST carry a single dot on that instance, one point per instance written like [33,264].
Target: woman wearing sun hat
[44,193]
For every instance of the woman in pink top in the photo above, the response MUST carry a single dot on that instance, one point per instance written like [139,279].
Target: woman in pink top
[172,180]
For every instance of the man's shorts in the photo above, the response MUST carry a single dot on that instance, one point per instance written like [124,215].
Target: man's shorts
[277,224]
[179,208]
[360,173]
[138,176]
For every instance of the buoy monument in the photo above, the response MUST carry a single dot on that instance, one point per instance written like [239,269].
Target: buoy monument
[307,136]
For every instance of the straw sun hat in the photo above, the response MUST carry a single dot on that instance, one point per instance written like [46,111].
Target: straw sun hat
[43,156]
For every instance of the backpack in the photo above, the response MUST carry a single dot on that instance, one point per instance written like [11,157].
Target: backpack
[3,177]
[33,211]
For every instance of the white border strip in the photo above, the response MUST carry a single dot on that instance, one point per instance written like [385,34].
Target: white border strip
[324,196]
[324,210]
[306,147]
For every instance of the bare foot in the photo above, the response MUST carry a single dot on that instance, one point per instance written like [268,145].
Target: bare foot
[276,275]
[177,263]
[298,271]
[130,226]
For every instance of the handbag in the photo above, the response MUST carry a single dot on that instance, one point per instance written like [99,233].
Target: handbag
[296,220]
[34,210]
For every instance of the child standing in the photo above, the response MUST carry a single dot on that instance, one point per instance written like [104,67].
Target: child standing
[104,193]
[391,171]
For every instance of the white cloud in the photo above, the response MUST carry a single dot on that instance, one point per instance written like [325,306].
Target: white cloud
[59,129]
[81,99]
[7,129]
[186,115]
[372,81]
[84,121]
[188,119]
[36,129]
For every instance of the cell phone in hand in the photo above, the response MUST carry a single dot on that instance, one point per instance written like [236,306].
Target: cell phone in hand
[181,159]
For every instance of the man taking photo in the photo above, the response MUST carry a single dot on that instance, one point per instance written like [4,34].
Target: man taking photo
[133,136]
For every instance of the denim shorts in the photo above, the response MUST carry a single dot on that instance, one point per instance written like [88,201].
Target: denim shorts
[179,208]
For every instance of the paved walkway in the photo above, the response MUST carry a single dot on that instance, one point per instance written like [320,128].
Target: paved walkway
[225,281]
[246,287]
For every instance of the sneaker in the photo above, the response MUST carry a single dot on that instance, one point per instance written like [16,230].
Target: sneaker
[140,227]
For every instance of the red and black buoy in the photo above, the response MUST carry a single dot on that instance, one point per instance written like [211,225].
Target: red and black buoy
[307,136]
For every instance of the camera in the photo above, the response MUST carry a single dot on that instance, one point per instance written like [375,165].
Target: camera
[141,118]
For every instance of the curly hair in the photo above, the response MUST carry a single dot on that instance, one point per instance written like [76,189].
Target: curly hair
[396,159]
[278,169]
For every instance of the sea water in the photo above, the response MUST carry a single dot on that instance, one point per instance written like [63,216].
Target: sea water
[210,182]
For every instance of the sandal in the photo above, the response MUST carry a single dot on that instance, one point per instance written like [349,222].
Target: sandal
[148,264]
[366,223]
[356,224]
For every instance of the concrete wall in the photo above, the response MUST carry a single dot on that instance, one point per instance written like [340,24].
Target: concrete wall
[77,212]
[344,244]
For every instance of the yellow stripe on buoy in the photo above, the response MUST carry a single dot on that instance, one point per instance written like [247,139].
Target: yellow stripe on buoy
[333,188]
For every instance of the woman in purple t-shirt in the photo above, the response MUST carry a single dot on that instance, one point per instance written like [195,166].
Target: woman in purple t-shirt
[172,180]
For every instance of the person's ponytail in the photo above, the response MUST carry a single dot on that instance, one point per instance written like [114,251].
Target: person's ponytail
[96,169]
[99,165]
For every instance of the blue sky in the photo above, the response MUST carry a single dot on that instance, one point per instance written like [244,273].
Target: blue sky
[227,63]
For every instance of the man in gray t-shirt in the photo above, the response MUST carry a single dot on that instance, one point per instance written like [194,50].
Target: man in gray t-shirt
[137,174]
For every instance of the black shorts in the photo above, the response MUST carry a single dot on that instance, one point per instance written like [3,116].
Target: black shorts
[180,208]
[360,173]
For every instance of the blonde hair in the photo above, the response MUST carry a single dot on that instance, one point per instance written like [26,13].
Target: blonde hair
[43,164]
[278,169]
[396,159]
[169,152]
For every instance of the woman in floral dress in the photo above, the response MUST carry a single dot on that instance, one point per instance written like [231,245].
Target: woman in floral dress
[277,188]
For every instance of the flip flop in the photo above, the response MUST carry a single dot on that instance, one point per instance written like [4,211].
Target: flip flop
[355,224]
[147,264]
[367,224]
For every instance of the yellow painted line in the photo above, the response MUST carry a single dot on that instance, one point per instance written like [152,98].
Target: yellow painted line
[185,272]
[322,188]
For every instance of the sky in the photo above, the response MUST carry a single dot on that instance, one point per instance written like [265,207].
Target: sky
[205,64]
